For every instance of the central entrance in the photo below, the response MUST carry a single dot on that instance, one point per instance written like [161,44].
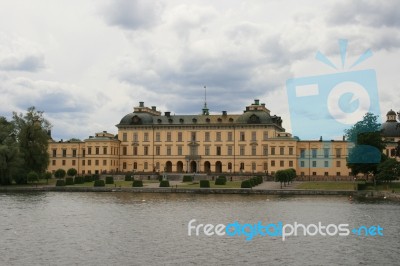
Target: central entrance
[193,167]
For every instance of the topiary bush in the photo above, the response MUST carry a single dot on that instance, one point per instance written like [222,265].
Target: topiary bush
[187,178]
[222,177]
[205,183]
[128,177]
[99,183]
[60,173]
[96,177]
[79,180]
[60,183]
[69,181]
[137,183]
[164,183]
[220,181]
[71,172]
[246,184]
[88,178]
[109,180]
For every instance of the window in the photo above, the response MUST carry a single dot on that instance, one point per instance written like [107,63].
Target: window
[230,150]
[157,165]
[281,163]
[54,162]
[146,136]
[193,136]
[290,150]
[193,150]
[265,150]
[218,136]
[83,162]
[265,166]
[158,137]
[302,153]
[242,136]
[146,165]
[314,173]
[54,152]
[104,150]
[338,152]
[135,150]
[229,166]
[272,150]
[158,149]
[337,163]
[273,163]
[146,150]
[135,165]
[265,135]
[135,137]
[207,136]
[124,152]
[253,166]
[169,136]
[241,150]
[206,150]
[96,162]
[302,163]
[218,150]
[290,163]
[338,173]
[281,150]
[180,136]
[64,152]
[179,150]
[326,174]
[254,150]
[63,162]
[73,162]
[230,136]
[326,152]
[241,166]
[326,163]
[83,152]
[253,135]
[89,150]
[124,165]
[97,150]
[74,153]
[124,137]
[314,153]
[89,162]
[169,150]
[314,163]
[104,162]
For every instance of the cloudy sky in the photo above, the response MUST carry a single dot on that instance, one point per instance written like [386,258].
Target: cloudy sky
[87,63]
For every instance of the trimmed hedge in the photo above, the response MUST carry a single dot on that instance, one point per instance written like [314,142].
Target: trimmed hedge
[187,178]
[88,178]
[60,183]
[246,184]
[96,177]
[79,180]
[109,180]
[137,183]
[69,181]
[128,177]
[220,181]
[99,183]
[223,178]
[164,183]
[205,183]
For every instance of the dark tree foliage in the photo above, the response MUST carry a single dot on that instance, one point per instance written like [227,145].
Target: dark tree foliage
[388,170]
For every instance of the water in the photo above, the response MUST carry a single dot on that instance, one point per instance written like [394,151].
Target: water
[151,229]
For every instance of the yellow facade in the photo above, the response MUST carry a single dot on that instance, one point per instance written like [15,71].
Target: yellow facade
[149,142]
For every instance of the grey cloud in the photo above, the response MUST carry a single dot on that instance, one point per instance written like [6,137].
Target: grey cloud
[30,63]
[132,14]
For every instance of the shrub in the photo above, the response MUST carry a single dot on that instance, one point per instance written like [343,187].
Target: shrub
[260,179]
[187,178]
[205,183]
[32,176]
[47,175]
[60,173]
[71,172]
[164,183]
[251,182]
[160,177]
[79,180]
[88,178]
[220,181]
[60,183]
[99,183]
[109,180]
[222,177]
[69,181]
[137,183]
[246,184]
[96,177]
[128,177]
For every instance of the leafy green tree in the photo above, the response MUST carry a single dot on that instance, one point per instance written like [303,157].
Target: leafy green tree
[71,172]
[59,173]
[31,131]
[32,176]
[281,176]
[11,160]
[365,156]
[388,170]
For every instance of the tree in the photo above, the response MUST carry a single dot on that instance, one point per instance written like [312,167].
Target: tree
[388,170]
[365,156]
[11,160]
[72,172]
[60,173]
[31,131]
[32,176]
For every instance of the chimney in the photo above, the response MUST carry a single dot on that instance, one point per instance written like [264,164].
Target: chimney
[168,114]
[256,101]
[104,131]
[224,113]
[263,104]
[141,104]
[344,138]
[154,108]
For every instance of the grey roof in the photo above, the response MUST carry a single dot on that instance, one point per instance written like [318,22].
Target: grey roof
[391,129]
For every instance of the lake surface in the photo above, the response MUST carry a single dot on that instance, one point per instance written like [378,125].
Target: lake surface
[53,228]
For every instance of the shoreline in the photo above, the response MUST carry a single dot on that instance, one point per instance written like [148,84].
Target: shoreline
[240,191]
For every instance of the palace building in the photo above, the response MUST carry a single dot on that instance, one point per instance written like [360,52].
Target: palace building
[151,142]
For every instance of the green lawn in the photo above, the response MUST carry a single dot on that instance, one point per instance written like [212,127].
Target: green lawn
[233,184]
[326,185]
[116,184]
